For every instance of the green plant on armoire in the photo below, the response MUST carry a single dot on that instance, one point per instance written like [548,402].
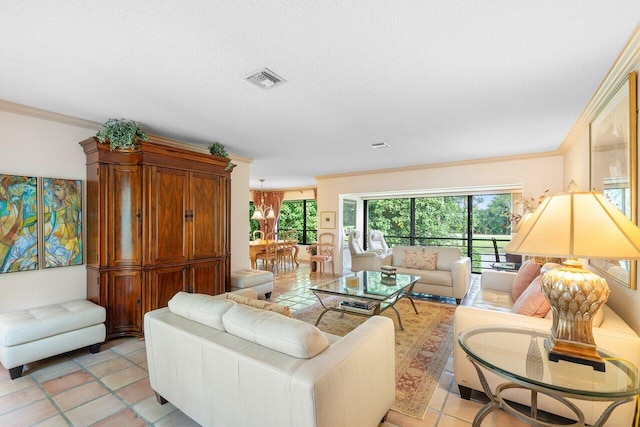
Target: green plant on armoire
[121,133]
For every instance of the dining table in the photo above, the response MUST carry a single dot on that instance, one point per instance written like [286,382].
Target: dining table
[259,245]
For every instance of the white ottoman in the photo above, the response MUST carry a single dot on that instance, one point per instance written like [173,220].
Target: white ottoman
[37,333]
[260,281]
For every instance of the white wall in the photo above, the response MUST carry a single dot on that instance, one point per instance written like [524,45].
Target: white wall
[42,148]
[535,174]
[240,215]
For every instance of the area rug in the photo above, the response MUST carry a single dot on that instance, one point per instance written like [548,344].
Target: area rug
[422,349]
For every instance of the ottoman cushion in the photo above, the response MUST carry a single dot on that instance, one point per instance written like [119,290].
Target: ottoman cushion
[249,278]
[23,326]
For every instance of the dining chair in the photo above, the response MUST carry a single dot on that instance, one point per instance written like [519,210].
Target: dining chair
[287,246]
[270,254]
[324,253]
[258,235]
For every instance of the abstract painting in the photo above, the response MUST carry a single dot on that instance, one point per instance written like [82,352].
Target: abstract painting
[62,222]
[18,223]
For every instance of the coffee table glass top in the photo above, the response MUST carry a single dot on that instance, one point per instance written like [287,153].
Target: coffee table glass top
[366,284]
[519,354]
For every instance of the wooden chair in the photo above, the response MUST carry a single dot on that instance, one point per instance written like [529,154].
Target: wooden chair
[258,235]
[270,254]
[324,253]
[287,247]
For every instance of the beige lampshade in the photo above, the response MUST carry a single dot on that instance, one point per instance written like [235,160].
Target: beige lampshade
[577,225]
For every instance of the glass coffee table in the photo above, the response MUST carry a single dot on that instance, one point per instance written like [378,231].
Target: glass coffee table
[519,356]
[366,293]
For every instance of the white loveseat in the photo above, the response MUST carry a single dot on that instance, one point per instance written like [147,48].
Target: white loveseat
[452,274]
[492,306]
[227,364]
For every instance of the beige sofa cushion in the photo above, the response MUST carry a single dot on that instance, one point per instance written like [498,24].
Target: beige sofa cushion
[398,253]
[526,274]
[272,330]
[201,308]
[446,256]
[420,260]
[261,304]
[532,302]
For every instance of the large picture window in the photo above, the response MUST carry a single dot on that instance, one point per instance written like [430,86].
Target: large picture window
[299,215]
[469,222]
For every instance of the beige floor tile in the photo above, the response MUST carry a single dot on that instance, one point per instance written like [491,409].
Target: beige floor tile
[94,411]
[20,398]
[89,359]
[124,377]
[460,408]
[66,382]
[136,392]
[110,366]
[28,415]
[176,419]
[52,368]
[152,411]
[9,386]
[137,356]
[57,421]
[79,395]
[449,421]
[126,417]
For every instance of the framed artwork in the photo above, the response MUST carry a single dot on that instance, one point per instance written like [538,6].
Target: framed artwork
[613,165]
[18,223]
[62,222]
[327,220]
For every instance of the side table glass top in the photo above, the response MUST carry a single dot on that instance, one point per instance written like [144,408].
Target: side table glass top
[369,285]
[519,355]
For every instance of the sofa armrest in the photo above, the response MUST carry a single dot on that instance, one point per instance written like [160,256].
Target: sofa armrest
[355,377]
[461,276]
[497,280]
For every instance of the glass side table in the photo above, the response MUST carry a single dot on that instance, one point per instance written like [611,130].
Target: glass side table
[519,356]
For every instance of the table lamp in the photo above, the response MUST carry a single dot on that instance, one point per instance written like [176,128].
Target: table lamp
[576,225]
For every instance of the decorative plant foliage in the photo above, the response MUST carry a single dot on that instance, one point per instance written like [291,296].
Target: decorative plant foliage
[217,149]
[121,133]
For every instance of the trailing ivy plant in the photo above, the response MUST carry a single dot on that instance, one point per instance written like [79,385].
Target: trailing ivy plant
[121,133]
[217,149]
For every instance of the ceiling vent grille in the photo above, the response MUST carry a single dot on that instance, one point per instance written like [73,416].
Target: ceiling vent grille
[265,79]
[380,145]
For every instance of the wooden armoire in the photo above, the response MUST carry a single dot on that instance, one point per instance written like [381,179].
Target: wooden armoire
[157,223]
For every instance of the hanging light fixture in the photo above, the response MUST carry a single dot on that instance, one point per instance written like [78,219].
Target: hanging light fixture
[263,212]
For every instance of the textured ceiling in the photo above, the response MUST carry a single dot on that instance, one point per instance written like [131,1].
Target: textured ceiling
[439,81]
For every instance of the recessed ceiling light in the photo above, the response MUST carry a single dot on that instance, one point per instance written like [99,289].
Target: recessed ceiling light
[265,79]
[380,145]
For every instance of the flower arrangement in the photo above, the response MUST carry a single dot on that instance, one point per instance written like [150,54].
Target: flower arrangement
[521,208]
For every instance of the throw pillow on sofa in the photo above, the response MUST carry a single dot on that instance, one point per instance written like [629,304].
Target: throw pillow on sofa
[420,260]
[528,271]
[532,302]
[261,304]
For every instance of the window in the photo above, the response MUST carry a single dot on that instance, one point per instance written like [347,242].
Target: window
[299,215]
[469,222]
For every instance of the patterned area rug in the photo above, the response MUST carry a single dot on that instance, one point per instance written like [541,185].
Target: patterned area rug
[422,349]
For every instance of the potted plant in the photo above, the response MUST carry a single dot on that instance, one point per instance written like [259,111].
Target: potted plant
[121,133]
[217,149]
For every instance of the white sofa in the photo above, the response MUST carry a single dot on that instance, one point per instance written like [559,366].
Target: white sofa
[451,277]
[492,306]
[226,364]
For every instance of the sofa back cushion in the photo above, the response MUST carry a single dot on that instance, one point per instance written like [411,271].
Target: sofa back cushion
[446,256]
[528,271]
[272,330]
[200,308]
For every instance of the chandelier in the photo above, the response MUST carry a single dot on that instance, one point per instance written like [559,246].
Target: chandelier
[263,212]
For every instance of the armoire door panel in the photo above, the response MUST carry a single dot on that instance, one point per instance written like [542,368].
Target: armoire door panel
[165,283]
[208,278]
[124,217]
[123,289]
[206,199]
[169,214]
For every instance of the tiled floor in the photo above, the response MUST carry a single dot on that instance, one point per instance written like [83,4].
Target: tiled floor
[111,388]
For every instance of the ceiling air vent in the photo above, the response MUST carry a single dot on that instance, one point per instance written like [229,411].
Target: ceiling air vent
[380,145]
[265,78]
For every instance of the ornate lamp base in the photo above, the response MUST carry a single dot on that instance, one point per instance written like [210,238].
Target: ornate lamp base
[575,295]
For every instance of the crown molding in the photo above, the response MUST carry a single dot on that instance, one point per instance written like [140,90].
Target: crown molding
[24,110]
[626,61]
